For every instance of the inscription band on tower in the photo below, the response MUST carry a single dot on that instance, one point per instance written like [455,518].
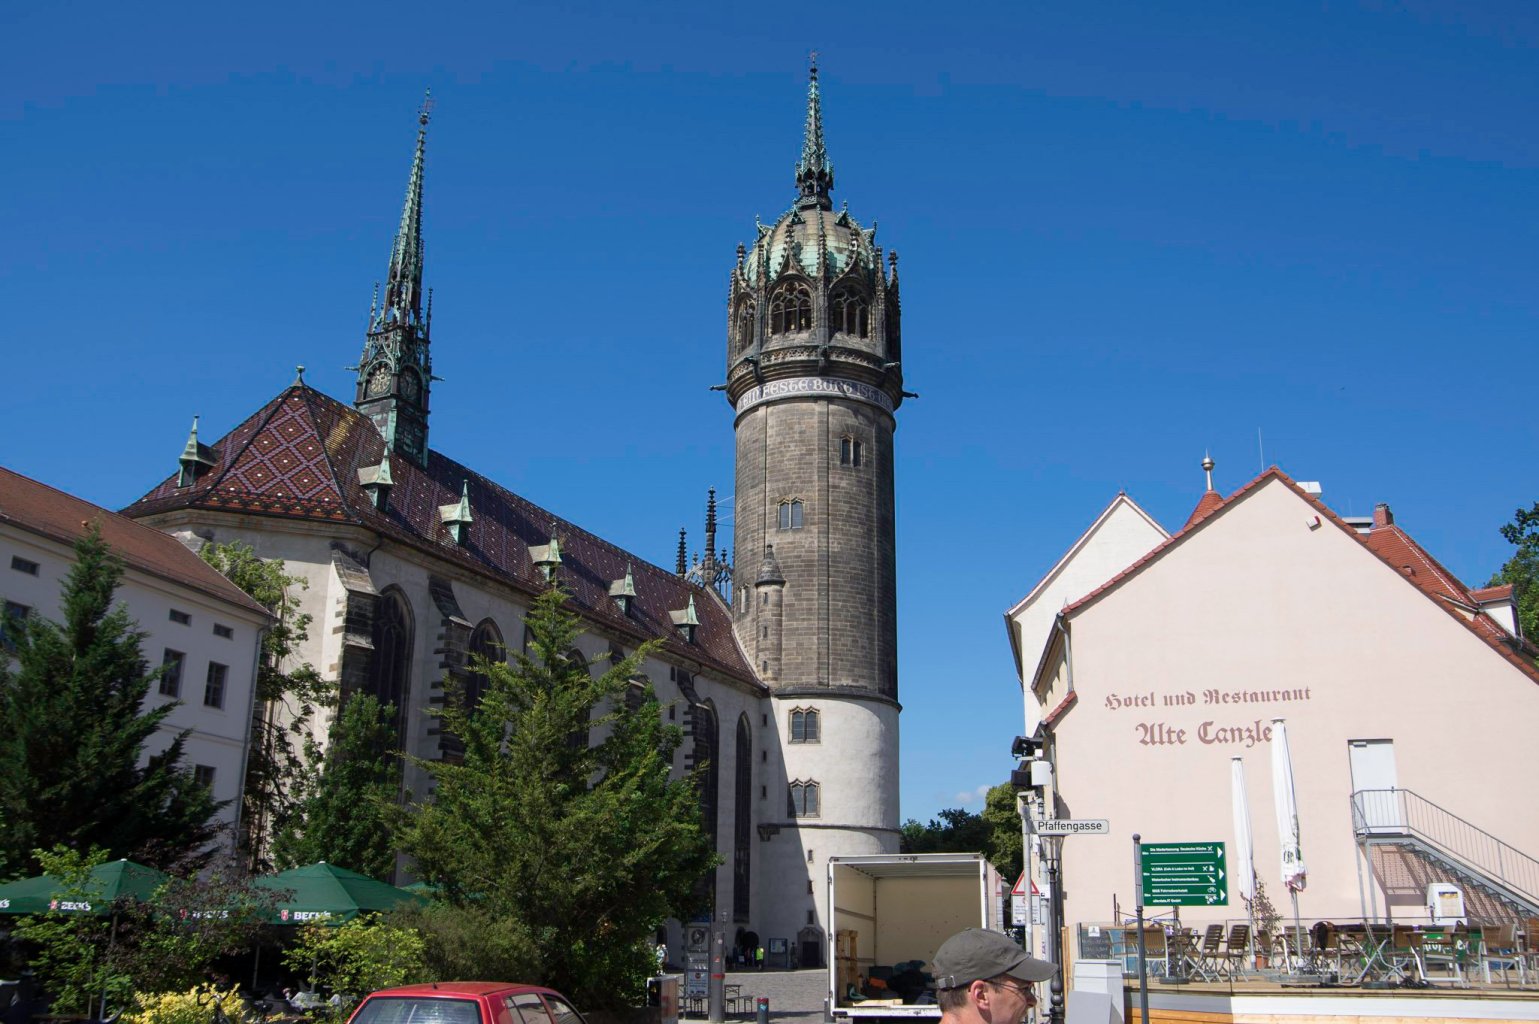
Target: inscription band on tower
[812,387]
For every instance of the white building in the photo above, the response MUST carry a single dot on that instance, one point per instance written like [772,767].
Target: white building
[1406,696]
[196,622]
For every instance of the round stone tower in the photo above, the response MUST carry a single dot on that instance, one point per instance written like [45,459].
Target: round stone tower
[813,373]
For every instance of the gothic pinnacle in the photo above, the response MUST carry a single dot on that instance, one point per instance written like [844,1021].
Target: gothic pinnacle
[814,172]
[403,283]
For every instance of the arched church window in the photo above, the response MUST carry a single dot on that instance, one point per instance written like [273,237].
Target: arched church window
[485,643]
[791,308]
[850,313]
[390,670]
[805,725]
[791,514]
[577,739]
[707,777]
[804,799]
[742,831]
[743,324]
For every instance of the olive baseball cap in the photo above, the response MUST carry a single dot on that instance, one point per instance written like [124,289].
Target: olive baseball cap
[977,955]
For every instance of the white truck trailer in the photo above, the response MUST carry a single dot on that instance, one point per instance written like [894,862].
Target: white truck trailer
[890,909]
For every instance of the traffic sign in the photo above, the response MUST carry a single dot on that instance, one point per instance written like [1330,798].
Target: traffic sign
[1071,827]
[1184,875]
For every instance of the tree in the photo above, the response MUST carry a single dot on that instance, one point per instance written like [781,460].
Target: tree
[1522,569]
[356,958]
[75,730]
[565,855]
[996,833]
[343,801]
[288,695]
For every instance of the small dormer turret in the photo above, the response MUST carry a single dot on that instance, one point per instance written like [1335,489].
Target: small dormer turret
[196,459]
[457,517]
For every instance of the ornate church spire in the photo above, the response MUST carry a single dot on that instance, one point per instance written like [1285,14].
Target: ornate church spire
[395,372]
[814,171]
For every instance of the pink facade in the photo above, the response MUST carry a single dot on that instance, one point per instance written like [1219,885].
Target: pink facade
[1271,607]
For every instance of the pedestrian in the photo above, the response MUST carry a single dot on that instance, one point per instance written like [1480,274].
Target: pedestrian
[758,956]
[982,977]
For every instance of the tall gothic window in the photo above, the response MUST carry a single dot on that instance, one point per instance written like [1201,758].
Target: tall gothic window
[804,799]
[849,451]
[806,726]
[485,642]
[703,727]
[390,670]
[849,313]
[743,324]
[791,308]
[791,514]
[742,831]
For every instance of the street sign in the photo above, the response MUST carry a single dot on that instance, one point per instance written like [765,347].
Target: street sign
[1071,827]
[1184,875]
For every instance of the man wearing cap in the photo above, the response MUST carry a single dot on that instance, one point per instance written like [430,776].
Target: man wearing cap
[981,977]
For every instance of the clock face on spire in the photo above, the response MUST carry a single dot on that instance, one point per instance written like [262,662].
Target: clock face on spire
[379,380]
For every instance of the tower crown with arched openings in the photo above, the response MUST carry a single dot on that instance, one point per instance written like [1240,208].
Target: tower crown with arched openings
[812,295]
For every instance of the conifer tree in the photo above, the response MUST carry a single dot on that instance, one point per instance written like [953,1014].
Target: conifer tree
[75,727]
[562,836]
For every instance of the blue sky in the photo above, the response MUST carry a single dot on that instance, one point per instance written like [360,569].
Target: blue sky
[1130,233]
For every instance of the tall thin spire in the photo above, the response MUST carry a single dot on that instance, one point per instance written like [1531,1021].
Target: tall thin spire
[395,372]
[403,283]
[814,171]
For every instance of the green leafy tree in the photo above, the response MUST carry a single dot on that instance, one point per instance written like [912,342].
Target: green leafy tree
[356,958]
[1004,822]
[288,694]
[75,730]
[1522,569]
[70,948]
[566,855]
[996,833]
[345,799]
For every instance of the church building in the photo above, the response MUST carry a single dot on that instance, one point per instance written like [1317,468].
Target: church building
[780,669]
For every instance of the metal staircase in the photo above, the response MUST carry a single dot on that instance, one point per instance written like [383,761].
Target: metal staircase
[1479,860]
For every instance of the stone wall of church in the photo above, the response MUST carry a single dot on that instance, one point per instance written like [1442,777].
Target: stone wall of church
[839,606]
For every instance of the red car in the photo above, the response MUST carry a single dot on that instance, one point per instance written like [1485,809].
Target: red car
[466,1002]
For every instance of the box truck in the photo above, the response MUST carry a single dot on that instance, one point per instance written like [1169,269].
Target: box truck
[888,913]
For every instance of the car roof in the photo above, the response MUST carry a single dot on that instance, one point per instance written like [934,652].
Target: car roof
[450,989]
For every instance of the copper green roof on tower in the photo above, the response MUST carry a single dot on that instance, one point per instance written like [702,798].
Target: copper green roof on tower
[814,171]
[403,281]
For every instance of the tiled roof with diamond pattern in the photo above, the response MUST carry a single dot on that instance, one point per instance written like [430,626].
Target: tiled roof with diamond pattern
[298,457]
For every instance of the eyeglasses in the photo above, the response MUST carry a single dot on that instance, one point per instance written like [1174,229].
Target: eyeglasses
[1024,991]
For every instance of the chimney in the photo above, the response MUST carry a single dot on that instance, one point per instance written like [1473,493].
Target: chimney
[1382,516]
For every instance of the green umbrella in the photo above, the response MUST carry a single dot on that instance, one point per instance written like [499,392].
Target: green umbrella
[105,885]
[326,894]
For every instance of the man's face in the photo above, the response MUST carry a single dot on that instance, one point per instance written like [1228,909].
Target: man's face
[1009,1000]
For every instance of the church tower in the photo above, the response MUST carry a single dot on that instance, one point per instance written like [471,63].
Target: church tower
[814,377]
[395,372]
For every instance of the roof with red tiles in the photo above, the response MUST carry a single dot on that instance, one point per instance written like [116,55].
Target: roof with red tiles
[44,510]
[1395,548]
[1210,502]
[298,458]
[1500,592]
[1052,717]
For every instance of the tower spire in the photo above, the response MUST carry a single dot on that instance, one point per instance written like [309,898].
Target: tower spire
[403,283]
[814,171]
[396,369]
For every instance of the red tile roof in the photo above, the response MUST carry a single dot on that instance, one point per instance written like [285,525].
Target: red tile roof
[1395,548]
[43,510]
[298,458]
[1053,716]
[1500,592]
[1210,502]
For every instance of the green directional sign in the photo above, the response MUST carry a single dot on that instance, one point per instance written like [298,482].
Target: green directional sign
[1184,875]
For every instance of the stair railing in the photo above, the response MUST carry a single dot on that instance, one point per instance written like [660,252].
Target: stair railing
[1389,813]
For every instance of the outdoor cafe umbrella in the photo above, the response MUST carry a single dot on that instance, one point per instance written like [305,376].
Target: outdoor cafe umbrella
[326,894]
[101,888]
[1294,875]
[1243,864]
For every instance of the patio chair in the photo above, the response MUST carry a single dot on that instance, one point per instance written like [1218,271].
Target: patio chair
[1212,950]
[1405,954]
[1154,947]
[1237,951]
[1530,946]
[1499,949]
[1446,949]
